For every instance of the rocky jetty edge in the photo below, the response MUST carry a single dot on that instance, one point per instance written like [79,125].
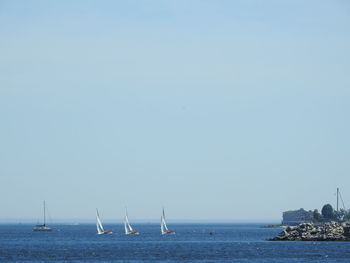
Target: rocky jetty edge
[330,231]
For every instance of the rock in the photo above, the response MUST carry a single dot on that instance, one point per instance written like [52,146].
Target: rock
[330,231]
[283,234]
[290,228]
[346,230]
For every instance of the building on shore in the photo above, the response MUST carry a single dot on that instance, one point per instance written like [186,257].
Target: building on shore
[295,217]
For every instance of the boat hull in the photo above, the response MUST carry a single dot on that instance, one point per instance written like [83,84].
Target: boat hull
[168,233]
[132,233]
[105,233]
[42,229]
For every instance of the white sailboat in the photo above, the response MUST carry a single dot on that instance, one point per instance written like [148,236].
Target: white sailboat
[163,227]
[43,227]
[99,226]
[128,229]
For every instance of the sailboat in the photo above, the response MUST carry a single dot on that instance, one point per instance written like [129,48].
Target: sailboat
[43,227]
[128,229]
[163,227]
[99,226]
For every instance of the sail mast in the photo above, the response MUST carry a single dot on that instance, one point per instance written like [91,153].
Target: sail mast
[337,200]
[44,214]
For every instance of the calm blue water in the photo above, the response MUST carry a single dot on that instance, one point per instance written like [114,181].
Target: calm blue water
[192,243]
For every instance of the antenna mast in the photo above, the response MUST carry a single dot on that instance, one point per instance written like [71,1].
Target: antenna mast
[44,214]
[337,200]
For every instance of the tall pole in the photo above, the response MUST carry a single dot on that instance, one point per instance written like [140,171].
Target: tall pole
[337,200]
[44,214]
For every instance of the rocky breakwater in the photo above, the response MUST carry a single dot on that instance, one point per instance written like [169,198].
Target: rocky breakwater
[331,231]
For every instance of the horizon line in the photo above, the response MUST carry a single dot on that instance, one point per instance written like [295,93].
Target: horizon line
[137,221]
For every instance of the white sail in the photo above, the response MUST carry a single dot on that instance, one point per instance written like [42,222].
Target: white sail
[127,226]
[163,227]
[99,226]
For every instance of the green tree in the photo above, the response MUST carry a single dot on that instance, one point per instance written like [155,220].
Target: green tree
[328,212]
[317,216]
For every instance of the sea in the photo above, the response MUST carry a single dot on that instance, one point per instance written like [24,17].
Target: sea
[192,243]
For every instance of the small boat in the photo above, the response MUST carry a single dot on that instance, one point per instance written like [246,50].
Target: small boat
[43,227]
[128,229]
[163,227]
[99,226]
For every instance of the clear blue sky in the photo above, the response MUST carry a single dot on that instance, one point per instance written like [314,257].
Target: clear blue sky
[217,110]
